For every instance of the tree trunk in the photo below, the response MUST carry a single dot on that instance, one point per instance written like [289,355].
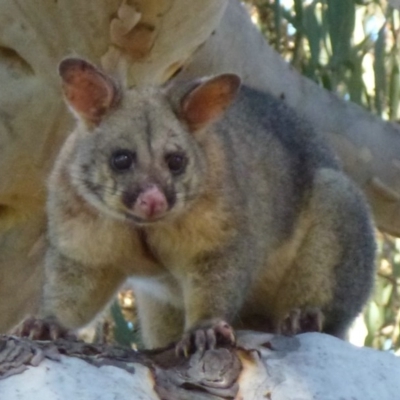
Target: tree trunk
[145,43]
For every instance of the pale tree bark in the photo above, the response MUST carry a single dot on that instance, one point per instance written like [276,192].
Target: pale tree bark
[310,366]
[145,43]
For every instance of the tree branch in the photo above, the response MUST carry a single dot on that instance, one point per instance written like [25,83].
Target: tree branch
[308,366]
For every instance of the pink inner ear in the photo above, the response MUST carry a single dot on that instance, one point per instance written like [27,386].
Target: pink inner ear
[209,100]
[88,91]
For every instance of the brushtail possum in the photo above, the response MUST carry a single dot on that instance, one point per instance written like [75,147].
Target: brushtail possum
[221,205]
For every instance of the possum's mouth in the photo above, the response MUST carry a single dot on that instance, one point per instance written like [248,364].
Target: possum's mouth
[144,221]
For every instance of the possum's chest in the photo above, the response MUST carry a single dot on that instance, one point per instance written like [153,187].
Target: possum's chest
[93,241]
[203,230]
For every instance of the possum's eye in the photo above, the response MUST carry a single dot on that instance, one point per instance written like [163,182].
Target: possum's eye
[176,162]
[122,160]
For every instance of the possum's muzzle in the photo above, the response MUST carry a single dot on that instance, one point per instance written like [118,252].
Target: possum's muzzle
[148,205]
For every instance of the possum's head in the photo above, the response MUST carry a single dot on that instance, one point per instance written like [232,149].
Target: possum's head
[139,153]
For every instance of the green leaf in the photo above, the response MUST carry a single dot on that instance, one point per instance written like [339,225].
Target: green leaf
[380,71]
[355,82]
[326,80]
[396,265]
[386,294]
[341,21]
[278,21]
[298,9]
[313,32]
[374,317]
[122,334]
[394,97]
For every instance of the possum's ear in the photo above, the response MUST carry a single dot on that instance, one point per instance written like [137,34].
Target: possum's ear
[207,101]
[88,91]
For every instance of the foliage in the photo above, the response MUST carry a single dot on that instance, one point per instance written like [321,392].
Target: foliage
[382,315]
[349,47]
[124,320]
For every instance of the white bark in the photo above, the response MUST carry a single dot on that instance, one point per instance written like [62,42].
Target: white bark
[72,378]
[309,366]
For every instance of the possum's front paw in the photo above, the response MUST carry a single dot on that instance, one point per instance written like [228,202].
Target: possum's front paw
[301,321]
[206,335]
[41,329]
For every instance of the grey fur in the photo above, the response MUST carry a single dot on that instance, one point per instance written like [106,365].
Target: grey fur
[263,219]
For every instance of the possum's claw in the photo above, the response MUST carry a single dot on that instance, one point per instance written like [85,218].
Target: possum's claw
[205,336]
[41,329]
[301,321]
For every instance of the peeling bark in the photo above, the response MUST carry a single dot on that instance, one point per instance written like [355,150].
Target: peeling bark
[307,367]
[212,375]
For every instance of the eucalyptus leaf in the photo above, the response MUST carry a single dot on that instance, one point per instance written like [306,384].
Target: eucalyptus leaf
[380,71]
[122,334]
[313,32]
[374,317]
[341,21]
[394,97]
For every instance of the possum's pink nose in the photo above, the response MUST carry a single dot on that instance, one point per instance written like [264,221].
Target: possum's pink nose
[150,203]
